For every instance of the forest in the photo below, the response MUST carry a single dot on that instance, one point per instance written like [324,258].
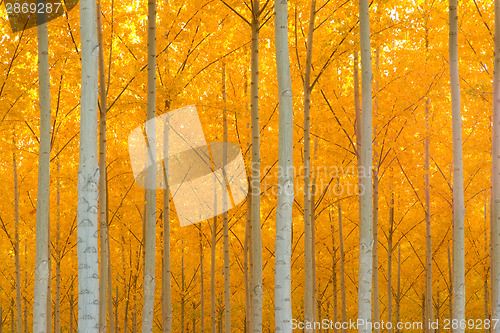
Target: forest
[249,166]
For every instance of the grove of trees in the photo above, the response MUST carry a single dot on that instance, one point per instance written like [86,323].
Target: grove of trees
[370,133]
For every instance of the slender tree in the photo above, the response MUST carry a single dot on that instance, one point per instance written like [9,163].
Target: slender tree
[376,180]
[495,170]
[283,243]
[389,261]
[256,254]
[103,220]
[42,274]
[19,321]
[365,174]
[212,274]
[227,286]
[166,270]
[150,216]
[458,182]
[88,175]
[308,243]
[429,316]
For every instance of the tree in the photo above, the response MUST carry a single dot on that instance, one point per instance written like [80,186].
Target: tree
[42,275]
[227,285]
[19,321]
[495,170]
[365,173]
[308,232]
[88,175]
[458,182]
[105,293]
[284,220]
[256,254]
[150,213]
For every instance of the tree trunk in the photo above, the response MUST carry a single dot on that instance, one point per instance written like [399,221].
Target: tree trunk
[57,305]
[88,175]
[227,286]
[450,289]
[495,170]
[103,221]
[342,270]
[389,262]
[212,276]
[202,289]
[398,291]
[376,303]
[256,253]
[150,218]
[365,175]
[166,274]
[308,243]
[458,182]
[248,267]
[19,321]
[334,273]
[183,291]
[42,274]
[283,240]
[486,294]
[429,316]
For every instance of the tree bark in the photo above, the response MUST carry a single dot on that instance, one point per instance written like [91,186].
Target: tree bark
[88,175]
[227,285]
[495,170]
[283,240]
[429,316]
[365,175]
[150,216]
[166,274]
[376,303]
[257,298]
[212,276]
[42,274]
[398,291]
[19,321]
[389,262]
[308,243]
[103,220]
[202,289]
[458,182]
[342,270]
[57,305]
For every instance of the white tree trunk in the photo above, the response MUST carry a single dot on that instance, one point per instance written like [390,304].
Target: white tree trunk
[88,175]
[212,276]
[458,182]
[19,322]
[256,254]
[227,286]
[365,175]
[495,191]
[308,244]
[150,218]
[103,221]
[166,274]
[283,243]
[389,262]
[376,305]
[429,316]
[342,270]
[42,275]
